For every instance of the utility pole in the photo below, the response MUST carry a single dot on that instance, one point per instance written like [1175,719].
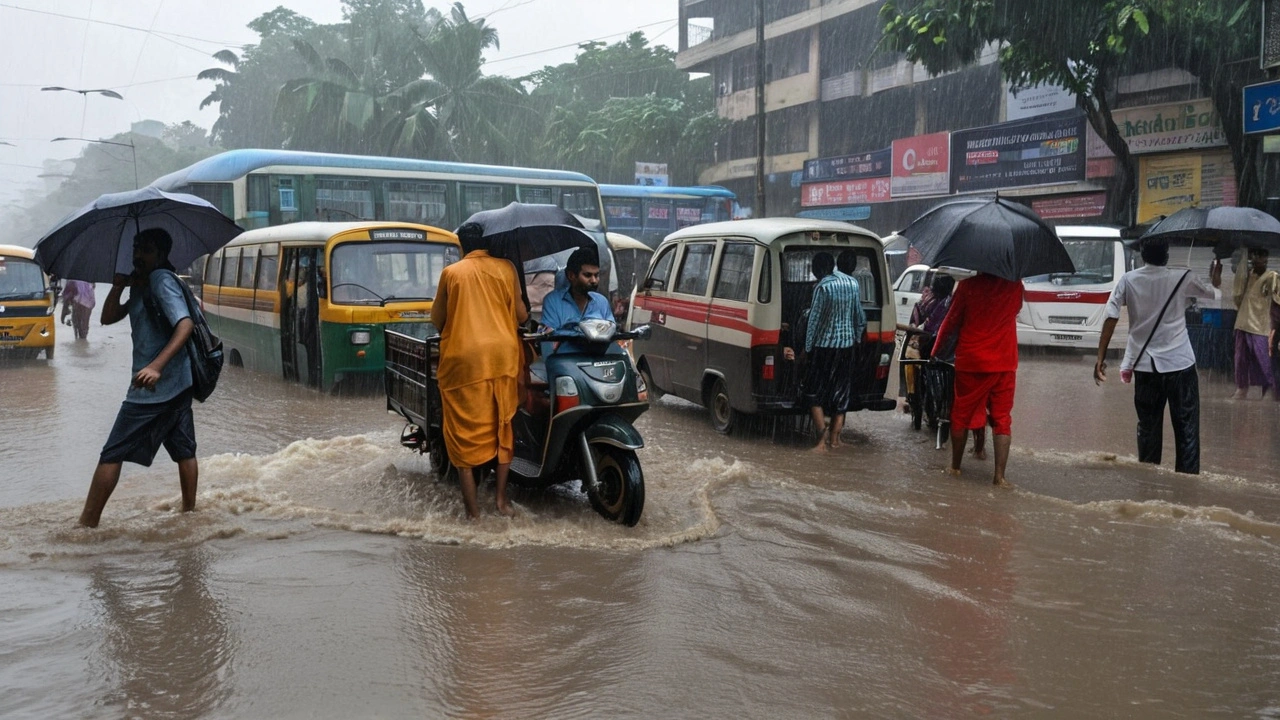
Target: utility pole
[760,128]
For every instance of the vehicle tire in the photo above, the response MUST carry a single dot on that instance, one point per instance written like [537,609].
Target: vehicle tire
[621,494]
[234,359]
[655,393]
[723,416]
[917,408]
[48,353]
[440,460]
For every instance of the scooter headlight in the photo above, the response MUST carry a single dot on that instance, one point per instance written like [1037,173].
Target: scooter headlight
[598,330]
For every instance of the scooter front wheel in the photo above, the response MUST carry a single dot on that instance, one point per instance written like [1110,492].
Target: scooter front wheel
[620,495]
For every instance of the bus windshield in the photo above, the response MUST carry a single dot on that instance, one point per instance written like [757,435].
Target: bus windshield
[1095,262]
[374,273]
[20,279]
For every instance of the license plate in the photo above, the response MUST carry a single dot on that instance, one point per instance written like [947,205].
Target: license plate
[1068,338]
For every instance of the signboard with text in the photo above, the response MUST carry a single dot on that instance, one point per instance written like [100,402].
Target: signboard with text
[921,165]
[1043,150]
[845,192]
[1042,99]
[651,174]
[1170,183]
[1175,126]
[1088,205]
[1262,108]
[849,167]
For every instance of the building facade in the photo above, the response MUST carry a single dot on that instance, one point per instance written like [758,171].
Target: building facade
[857,133]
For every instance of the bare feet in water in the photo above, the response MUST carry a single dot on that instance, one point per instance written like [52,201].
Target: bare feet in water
[953,472]
[980,453]
[1001,482]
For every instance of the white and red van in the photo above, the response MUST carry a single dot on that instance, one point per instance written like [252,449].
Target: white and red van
[1067,309]
[724,299]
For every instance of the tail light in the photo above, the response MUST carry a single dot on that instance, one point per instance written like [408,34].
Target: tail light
[566,394]
[766,370]
[882,370]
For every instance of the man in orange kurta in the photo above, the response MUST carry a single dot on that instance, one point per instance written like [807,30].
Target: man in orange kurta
[477,310]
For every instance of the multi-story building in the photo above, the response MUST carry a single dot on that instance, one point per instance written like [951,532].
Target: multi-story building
[856,132]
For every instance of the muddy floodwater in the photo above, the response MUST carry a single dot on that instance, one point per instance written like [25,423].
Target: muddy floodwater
[327,574]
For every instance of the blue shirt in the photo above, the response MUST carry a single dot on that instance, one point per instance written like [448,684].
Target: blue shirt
[560,312]
[836,318]
[150,335]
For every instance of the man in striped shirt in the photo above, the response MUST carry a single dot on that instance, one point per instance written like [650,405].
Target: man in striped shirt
[835,322]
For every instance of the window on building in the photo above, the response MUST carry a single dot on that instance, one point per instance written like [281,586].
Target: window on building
[417,202]
[339,199]
[259,195]
[787,56]
[788,130]
[734,282]
[288,198]
[695,269]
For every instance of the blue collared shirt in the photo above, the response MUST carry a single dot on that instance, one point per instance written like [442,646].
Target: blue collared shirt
[150,335]
[836,318]
[560,312]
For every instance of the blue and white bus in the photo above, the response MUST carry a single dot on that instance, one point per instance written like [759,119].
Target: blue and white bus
[649,213]
[263,188]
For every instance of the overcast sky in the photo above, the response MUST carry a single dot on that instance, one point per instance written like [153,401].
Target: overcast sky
[151,50]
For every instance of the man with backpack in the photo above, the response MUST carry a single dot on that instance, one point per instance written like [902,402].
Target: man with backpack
[157,408]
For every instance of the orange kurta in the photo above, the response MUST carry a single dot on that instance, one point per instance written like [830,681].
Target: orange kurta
[479,359]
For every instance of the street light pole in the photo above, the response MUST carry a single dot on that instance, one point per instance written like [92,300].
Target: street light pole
[760,108]
[132,151]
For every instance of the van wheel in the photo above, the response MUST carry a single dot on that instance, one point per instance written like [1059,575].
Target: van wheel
[723,416]
[235,360]
[48,353]
[620,496]
[655,392]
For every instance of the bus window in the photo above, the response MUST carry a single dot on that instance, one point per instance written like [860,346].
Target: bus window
[268,267]
[536,195]
[583,202]
[258,210]
[370,272]
[213,269]
[342,200]
[417,202]
[481,197]
[248,264]
[688,212]
[623,213]
[230,267]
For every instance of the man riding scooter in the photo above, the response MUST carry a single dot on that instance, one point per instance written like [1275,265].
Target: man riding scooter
[563,308]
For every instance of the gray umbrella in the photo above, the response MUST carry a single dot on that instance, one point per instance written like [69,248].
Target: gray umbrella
[96,242]
[997,237]
[1227,227]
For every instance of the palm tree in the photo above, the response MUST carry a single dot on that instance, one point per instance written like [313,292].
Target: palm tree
[223,90]
[473,110]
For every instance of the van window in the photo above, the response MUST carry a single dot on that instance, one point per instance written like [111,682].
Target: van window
[213,269]
[734,281]
[765,293]
[660,275]
[796,264]
[695,269]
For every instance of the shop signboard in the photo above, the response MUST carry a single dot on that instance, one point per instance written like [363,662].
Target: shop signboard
[654,174]
[1170,127]
[921,165]
[1088,205]
[1036,100]
[1169,183]
[849,167]
[1043,150]
[1262,108]
[846,214]
[845,192]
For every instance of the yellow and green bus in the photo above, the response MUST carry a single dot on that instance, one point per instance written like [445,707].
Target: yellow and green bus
[27,326]
[308,301]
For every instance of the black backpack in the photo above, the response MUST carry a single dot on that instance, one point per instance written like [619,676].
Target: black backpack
[203,347]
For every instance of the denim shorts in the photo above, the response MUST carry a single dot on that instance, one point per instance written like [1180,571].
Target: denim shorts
[141,428]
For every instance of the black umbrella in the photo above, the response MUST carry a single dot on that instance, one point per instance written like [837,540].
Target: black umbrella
[992,236]
[96,242]
[523,231]
[1227,227]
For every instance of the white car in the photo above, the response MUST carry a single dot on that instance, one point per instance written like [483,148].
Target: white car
[911,283]
[1067,309]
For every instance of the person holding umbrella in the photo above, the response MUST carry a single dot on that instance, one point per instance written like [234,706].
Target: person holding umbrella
[477,309]
[1253,293]
[1158,356]
[157,408]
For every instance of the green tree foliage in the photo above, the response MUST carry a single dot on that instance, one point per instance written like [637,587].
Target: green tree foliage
[1080,45]
[1085,46]
[616,105]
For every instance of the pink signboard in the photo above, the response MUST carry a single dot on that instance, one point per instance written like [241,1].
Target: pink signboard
[1073,206]
[845,192]
[922,165]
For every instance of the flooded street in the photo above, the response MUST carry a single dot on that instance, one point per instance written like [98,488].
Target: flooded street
[327,574]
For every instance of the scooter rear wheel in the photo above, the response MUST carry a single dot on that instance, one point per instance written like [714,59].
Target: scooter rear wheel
[620,497]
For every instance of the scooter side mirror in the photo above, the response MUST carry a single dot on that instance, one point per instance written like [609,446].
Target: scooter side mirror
[642,333]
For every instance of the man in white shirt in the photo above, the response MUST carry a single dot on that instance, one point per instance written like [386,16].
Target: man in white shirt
[1158,354]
